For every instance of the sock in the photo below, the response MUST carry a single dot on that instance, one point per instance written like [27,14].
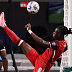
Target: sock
[13,36]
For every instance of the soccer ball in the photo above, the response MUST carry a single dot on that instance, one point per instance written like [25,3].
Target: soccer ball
[33,7]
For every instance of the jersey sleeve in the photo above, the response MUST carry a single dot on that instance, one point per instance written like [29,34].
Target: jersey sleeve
[54,45]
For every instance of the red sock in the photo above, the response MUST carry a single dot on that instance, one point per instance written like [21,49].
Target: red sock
[12,35]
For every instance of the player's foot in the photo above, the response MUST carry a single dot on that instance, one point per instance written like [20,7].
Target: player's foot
[2,19]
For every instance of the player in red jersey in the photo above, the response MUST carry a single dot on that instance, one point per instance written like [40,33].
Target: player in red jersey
[45,61]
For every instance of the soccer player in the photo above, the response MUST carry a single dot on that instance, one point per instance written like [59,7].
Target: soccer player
[45,61]
[3,58]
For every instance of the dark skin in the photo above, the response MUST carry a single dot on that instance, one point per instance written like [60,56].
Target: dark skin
[57,35]
[4,60]
[26,47]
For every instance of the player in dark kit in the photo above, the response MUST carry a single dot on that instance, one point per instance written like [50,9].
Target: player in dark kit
[45,61]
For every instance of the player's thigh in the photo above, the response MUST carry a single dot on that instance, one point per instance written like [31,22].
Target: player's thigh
[32,55]
[26,48]
[3,54]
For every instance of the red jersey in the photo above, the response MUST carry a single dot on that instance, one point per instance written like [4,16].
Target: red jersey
[45,61]
[58,47]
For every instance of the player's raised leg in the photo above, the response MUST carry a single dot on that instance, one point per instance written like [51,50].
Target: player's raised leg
[25,47]
[30,53]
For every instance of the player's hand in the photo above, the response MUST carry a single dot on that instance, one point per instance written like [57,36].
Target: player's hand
[2,19]
[28,26]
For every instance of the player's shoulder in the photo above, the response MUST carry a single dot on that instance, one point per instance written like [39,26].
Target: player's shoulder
[58,43]
[63,42]
[54,42]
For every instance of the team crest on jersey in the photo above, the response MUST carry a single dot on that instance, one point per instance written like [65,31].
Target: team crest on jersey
[54,44]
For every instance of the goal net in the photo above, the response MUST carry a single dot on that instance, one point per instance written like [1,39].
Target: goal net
[67,55]
[64,61]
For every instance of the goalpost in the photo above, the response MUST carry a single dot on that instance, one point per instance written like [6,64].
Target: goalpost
[70,36]
[66,62]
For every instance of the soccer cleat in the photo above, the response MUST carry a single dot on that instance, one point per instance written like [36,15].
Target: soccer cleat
[2,19]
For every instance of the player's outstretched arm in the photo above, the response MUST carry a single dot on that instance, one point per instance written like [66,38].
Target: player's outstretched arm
[36,38]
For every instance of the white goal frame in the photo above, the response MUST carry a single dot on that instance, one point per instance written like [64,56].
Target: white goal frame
[67,56]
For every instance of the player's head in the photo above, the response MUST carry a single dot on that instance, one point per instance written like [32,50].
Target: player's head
[60,31]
